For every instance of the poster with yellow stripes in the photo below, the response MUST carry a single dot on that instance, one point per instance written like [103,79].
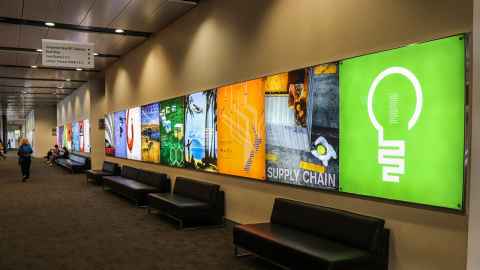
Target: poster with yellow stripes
[241,129]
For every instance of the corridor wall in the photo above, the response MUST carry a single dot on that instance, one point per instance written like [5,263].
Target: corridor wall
[43,138]
[220,42]
[86,103]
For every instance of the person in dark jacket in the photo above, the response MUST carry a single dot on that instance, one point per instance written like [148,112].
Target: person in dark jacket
[25,158]
[65,154]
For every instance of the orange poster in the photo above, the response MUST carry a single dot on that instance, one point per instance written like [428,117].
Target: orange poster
[241,129]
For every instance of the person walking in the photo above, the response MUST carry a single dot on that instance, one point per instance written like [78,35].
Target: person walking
[25,158]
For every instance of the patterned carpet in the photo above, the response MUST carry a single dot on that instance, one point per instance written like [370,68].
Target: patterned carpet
[57,221]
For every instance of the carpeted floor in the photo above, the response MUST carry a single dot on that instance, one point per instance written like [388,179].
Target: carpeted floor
[57,221]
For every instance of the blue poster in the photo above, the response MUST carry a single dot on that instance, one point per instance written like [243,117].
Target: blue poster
[201,131]
[75,137]
[120,129]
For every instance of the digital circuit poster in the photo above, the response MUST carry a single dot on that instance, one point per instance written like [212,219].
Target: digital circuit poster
[201,131]
[172,129]
[151,133]
[134,133]
[302,127]
[403,123]
[109,137]
[241,129]
[120,134]
[86,135]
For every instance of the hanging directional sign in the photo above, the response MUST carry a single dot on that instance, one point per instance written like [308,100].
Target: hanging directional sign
[61,53]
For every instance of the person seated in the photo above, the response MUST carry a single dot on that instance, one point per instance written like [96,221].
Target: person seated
[49,154]
[54,154]
[65,154]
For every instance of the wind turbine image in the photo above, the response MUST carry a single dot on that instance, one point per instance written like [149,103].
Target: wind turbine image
[391,153]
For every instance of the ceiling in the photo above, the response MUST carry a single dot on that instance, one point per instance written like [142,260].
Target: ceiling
[22,28]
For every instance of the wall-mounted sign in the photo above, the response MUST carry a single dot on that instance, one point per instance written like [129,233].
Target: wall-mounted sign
[402,121]
[61,53]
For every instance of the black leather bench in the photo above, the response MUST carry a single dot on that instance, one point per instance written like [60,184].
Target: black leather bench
[75,163]
[108,169]
[135,184]
[192,202]
[305,236]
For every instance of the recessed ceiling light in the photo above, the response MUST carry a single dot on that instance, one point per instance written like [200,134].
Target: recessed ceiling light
[39,50]
[68,79]
[119,31]
[79,69]
[33,66]
[50,24]
[95,53]
[24,92]
[60,87]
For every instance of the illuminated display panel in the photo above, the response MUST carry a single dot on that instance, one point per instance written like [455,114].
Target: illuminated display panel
[86,136]
[388,125]
[172,117]
[402,122]
[302,127]
[120,133]
[151,133]
[201,131]
[241,129]
[109,135]
[134,133]
[68,136]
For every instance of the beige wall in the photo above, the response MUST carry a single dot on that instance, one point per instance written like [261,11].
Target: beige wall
[98,109]
[221,42]
[474,188]
[75,107]
[43,138]
[87,102]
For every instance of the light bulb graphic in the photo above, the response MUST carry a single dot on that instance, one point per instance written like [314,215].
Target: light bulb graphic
[391,153]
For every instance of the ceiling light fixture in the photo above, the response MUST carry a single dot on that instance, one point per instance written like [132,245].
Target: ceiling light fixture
[50,24]
[67,79]
[39,50]
[79,69]
[96,54]
[119,31]
[33,66]
[60,87]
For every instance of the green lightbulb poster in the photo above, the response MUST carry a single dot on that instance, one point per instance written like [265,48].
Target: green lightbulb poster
[402,123]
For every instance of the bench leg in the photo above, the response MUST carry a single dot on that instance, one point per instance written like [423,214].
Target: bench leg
[241,254]
[180,224]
